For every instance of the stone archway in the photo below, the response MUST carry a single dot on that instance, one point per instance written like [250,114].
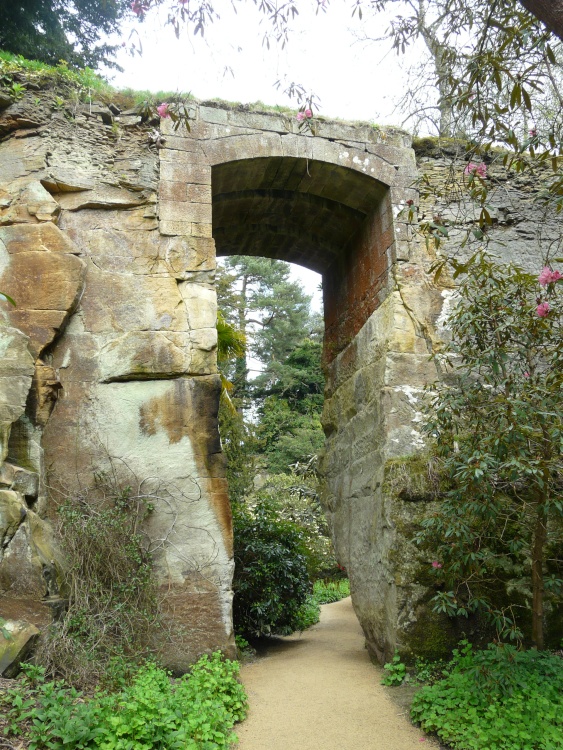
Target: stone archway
[330,203]
[121,344]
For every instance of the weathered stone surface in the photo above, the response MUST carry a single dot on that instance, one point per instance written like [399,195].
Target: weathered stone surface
[114,303]
[17,639]
[45,392]
[128,351]
[36,237]
[29,564]
[16,369]
[101,197]
[46,287]
[19,480]
[66,181]
[146,355]
[39,202]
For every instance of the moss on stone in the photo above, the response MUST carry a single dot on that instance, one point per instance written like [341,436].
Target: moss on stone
[415,478]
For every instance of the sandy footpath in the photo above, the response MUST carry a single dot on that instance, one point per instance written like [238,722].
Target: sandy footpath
[319,691]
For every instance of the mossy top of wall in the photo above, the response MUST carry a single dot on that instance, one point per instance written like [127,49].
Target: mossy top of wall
[18,75]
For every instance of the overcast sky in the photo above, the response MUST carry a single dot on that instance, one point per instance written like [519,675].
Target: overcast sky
[353,80]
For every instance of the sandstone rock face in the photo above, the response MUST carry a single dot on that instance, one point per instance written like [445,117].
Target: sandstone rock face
[108,364]
[16,642]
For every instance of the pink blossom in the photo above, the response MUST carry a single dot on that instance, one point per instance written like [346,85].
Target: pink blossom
[543,309]
[162,110]
[308,113]
[300,117]
[480,170]
[436,564]
[547,276]
[138,7]
[526,374]
[533,132]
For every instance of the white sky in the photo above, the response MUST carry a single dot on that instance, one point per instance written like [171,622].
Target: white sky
[353,80]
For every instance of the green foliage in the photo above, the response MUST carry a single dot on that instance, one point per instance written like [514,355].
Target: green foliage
[285,436]
[326,592]
[84,79]
[271,581]
[257,296]
[54,30]
[295,498]
[238,443]
[113,610]
[196,712]
[395,671]
[496,699]
[309,614]
[497,427]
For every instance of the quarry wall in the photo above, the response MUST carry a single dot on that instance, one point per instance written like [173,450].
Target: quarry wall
[109,231]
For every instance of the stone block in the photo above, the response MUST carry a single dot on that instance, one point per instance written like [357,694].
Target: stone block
[113,304]
[174,156]
[202,230]
[199,193]
[243,147]
[189,173]
[185,255]
[185,211]
[145,355]
[201,305]
[213,115]
[172,191]
[104,196]
[181,143]
[46,287]
[260,121]
[174,228]
[297,146]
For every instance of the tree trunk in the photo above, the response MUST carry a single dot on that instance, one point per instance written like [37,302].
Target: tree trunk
[550,12]
[540,538]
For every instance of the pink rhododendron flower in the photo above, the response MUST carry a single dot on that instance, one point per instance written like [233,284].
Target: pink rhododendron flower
[162,110]
[533,132]
[308,113]
[300,117]
[480,170]
[436,564]
[526,374]
[547,276]
[543,309]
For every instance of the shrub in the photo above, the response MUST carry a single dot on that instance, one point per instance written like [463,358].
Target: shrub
[271,582]
[113,609]
[309,614]
[496,699]
[196,712]
[295,497]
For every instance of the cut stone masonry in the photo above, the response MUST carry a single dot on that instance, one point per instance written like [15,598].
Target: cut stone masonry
[108,246]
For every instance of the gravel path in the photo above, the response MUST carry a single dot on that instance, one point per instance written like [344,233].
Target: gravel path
[319,691]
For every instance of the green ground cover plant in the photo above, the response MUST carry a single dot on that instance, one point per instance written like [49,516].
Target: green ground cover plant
[500,698]
[153,712]
[326,592]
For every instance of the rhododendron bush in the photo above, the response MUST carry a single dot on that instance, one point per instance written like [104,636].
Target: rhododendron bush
[497,425]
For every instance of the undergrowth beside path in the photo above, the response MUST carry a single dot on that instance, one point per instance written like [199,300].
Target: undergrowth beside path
[500,698]
[153,712]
